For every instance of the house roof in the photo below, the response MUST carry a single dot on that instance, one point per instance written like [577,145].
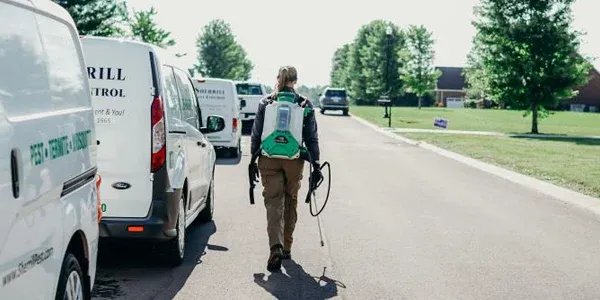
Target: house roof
[451,78]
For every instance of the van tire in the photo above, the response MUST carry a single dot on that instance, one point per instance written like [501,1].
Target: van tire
[235,152]
[176,246]
[71,269]
[345,112]
[322,111]
[206,215]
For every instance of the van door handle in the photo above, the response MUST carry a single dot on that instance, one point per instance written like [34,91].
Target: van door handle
[200,143]
[14,170]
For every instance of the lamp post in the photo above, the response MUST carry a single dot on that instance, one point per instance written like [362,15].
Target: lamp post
[388,34]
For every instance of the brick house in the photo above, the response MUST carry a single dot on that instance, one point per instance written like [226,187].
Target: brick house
[450,88]
[588,98]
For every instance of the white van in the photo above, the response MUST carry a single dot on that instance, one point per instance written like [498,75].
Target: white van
[219,97]
[156,164]
[251,93]
[49,212]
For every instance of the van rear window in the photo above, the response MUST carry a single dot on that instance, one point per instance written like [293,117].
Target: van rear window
[248,89]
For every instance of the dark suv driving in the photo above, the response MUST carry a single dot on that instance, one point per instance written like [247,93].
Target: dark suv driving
[334,99]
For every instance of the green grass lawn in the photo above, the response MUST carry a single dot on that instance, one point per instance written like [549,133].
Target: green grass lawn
[571,163]
[505,121]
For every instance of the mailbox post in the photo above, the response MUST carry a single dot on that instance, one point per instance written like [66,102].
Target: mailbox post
[386,102]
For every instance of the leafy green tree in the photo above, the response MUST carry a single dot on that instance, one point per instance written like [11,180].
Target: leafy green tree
[339,68]
[528,53]
[312,93]
[97,17]
[219,55]
[419,74]
[144,26]
[374,61]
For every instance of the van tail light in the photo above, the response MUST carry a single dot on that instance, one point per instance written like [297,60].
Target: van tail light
[98,201]
[159,149]
[234,125]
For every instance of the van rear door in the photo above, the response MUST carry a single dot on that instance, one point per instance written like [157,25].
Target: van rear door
[120,76]
[217,97]
[252,93]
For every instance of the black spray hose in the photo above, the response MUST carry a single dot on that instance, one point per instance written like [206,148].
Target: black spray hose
[251,177]
[312,189]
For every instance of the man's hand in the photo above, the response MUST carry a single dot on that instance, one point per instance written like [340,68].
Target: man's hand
[316,178]
[253,172]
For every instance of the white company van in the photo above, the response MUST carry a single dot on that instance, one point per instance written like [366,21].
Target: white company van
[219,97]
[156,165]
[250,93]
[50,208]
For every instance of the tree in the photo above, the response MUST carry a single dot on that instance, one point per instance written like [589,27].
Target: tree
[419,74]
[528,53]
[219,55]
[144,27]
[97,17]
[339,68]
[373,62]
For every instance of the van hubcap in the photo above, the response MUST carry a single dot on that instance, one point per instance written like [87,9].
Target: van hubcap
[181,228]
[74,289]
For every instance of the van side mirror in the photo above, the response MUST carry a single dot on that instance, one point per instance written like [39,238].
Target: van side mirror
[242,103]
[320,94]
[213,124]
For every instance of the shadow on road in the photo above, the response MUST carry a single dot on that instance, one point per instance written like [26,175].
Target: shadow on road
[229,161]
[298,284]
[134,270]
[562,138]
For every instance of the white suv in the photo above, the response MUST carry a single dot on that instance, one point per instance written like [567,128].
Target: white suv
[48,183]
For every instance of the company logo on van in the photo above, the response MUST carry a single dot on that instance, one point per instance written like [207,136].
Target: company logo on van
[121,185]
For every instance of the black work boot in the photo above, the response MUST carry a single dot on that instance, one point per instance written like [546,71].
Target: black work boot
[287,254]
[274,263]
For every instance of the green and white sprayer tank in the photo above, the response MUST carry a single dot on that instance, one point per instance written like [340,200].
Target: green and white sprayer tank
[282,129]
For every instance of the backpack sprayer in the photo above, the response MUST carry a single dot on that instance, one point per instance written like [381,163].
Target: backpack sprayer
[282,138]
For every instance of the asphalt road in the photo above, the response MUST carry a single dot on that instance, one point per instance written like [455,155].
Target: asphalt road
[402,223]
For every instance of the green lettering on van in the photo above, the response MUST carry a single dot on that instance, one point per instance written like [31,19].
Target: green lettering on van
[59,147]
[36,152]
[81,140]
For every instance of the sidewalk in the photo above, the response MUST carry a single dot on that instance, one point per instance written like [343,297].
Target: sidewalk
[488,133]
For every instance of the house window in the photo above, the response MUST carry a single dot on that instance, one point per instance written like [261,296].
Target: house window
[577,107]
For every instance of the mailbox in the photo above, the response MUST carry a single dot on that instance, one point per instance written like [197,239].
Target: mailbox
[386,102]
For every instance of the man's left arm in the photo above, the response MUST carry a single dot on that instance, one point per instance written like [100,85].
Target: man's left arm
[310,135]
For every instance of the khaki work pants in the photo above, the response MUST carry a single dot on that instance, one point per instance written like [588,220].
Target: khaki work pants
[281,183]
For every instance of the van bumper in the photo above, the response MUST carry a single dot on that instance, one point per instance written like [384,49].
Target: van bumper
[160,225]
[335,106]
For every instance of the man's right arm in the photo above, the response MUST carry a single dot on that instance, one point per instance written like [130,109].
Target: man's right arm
[257,128]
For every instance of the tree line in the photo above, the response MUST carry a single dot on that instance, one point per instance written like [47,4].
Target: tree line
[386,60]
[525,55]
[218,53]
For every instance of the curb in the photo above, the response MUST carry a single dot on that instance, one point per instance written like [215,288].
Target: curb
[589,203]
[489,133]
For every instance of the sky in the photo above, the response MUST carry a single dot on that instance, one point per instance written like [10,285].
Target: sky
[319,27]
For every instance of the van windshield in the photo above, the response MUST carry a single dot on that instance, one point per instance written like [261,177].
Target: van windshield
[336,93]
[248,89]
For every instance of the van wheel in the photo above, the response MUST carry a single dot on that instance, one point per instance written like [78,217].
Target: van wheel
[176,246]
[206,215]
[70,282]
[322,111]
[345,112]
[236,152]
